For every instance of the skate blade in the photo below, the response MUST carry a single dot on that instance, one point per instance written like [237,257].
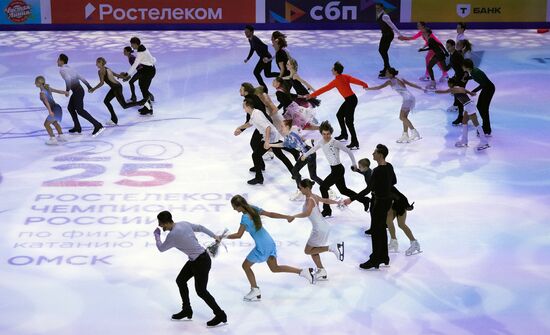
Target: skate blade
[218,325]
[413,253]
[181,320]
[252,300]
[321,279]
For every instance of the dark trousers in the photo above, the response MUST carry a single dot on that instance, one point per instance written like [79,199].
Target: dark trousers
[258,160]
[311,163]
[336,177]
[146,75]
[76,107]
[116,92]
[435,59]
[345,116]
[384,47]
[199,268]
[458,104]
[255,143]
[266,68]
[483,103]
[379,236]
[135,78]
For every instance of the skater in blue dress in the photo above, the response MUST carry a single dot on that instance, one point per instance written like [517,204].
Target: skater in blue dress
[264,250]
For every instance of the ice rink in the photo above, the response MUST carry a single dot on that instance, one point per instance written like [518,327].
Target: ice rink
[77,249]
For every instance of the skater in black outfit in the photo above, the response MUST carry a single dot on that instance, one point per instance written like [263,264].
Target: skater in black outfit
[485,96]
[129,52]
[107,76]
[388,28]
[456,62]
[76,101]
[381,182]
[182,237]
[147,72]
[264,63]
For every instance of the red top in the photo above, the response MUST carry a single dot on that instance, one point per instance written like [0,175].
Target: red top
[342,83]
[419,34]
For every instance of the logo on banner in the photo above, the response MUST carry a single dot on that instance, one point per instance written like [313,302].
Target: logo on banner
[88,10]
[463,10]
[292,13]
[18,11]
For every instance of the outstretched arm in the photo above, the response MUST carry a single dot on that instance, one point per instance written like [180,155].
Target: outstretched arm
[58,91]
[379,86]
[300,79]
[443,91]
[238,234]
[411,84]
[325,200]
[307,211]
[101,73]
[275,215]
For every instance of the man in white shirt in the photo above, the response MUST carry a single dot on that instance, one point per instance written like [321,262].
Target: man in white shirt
[147,71]
[331,148]
[182,237]
[269,134]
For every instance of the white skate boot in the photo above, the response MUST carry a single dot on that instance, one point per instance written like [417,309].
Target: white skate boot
[268,156]
[52,141]
[461,144]
[415,136]
[253,295]
[403,139]
[309,274]
[413,249]
[321,275]
[393,246]
[61,138]
[338,250]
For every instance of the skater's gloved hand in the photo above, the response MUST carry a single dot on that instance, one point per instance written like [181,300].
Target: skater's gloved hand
[157,232]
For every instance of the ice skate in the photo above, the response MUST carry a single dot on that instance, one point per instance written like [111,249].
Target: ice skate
[393,246]
[403,139]
[253,295]
[415,136]
[413,249]
[308,274]
[321,275]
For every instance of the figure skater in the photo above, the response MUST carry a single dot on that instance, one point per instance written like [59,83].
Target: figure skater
[470,114]
[318,238]
[264,61]
[264,250]
[346,112]
[55,113]
[399,209]
[400,86]
[182,237]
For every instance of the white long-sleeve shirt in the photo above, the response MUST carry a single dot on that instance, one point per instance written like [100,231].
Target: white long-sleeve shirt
[332,151]
[143,57]
[72,78]
[260,122]
[182,237]
[386,18]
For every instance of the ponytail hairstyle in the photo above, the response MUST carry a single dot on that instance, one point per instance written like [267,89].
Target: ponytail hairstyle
[239,201]
[284,84]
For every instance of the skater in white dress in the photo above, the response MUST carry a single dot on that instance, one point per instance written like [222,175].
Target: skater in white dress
[318,239]
[400,86]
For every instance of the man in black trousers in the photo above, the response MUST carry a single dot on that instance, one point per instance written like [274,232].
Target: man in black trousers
[264,63]
[182,237]
[381,182]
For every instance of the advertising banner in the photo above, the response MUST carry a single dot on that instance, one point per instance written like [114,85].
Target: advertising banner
[152,12]
[20,12]
[475,10]
[327,11]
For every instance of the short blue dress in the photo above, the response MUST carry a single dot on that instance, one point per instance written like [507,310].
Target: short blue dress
[56,109]
[265,246]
